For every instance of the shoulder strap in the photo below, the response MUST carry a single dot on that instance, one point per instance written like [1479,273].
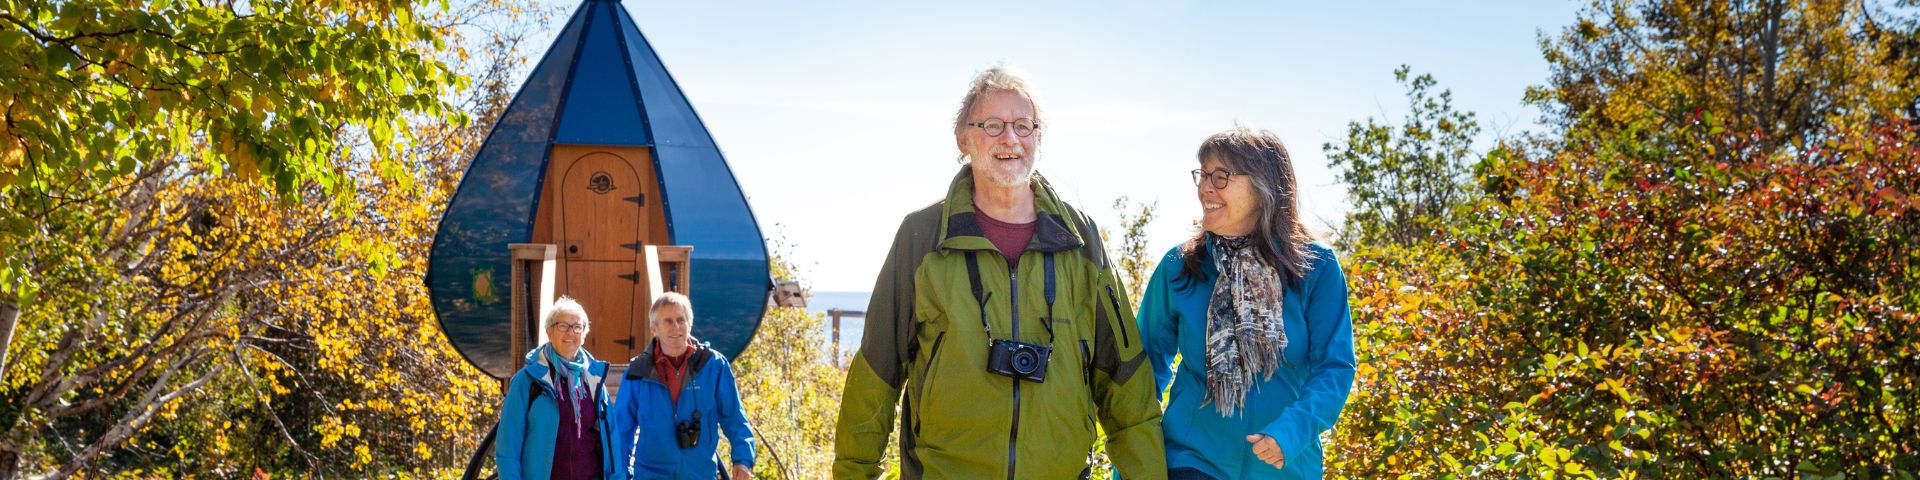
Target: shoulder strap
[1049,261]
[973,277]
[1049,321]
[533,389]
[533,386]
[980,294]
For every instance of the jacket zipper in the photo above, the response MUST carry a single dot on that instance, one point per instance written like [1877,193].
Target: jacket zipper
[685,379]
[1013,434]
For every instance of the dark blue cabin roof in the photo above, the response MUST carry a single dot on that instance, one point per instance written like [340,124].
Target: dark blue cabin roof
[600,84]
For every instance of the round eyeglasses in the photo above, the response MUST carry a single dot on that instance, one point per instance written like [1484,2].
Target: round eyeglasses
[995,126]
[1220,177]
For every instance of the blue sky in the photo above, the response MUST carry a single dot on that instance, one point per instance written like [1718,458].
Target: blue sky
[836,117]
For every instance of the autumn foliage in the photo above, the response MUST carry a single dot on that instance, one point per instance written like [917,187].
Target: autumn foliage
[790,382]
[1702,318]
[1702,264]
[214,228]
[1693,274]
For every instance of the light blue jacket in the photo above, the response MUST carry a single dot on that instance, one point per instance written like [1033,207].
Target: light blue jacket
[524,447]
[645,417]
[1303,398]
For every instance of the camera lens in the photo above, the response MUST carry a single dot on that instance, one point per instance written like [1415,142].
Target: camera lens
[1025,360]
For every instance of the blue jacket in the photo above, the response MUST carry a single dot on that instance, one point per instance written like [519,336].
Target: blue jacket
[645,416]
[524,448]
[1303,398]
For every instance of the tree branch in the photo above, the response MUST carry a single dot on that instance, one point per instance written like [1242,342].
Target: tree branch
[139,414]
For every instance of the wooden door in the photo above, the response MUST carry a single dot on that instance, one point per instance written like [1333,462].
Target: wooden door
[601,210]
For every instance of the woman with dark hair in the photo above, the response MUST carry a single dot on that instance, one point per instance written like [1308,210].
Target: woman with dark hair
[1258,313]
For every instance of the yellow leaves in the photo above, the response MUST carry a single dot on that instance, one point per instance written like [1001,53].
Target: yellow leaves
[208,241]
[333,89]
[261,104]
[221,443]
[12,153]
[1618,387]
[379,405]
[333,430]
[790,390]
[239,155]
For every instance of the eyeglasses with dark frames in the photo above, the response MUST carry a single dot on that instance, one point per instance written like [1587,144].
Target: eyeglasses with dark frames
[995,126]
[1220,177]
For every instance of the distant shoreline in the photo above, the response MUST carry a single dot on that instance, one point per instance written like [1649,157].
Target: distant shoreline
[850,328]
[823,301]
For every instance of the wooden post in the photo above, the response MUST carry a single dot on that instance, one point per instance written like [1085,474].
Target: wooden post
[673,264]
[836,314]
[532,295]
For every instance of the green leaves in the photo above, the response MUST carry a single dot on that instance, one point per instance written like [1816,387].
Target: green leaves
[1404,179]
[193,184]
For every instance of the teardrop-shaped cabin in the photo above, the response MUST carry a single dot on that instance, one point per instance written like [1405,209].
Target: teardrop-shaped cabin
[601,156]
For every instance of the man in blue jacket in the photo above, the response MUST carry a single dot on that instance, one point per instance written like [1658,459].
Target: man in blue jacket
[676,399]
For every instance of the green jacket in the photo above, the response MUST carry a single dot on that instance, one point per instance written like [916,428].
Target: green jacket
[924,338]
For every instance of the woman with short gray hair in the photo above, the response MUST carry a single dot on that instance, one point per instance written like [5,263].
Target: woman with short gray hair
[553,419]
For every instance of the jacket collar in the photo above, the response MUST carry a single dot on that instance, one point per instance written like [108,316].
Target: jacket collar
[541,368]
[1053,232]
[641,366]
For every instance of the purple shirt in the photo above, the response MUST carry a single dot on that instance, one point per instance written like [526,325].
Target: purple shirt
[576,449]
[1010,238]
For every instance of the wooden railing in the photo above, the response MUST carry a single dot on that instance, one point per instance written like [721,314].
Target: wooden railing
[836,314]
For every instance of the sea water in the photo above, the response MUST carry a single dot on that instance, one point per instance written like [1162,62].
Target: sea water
[850,327]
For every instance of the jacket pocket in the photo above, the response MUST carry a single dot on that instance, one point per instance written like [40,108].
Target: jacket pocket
[1086,364]
[1086,373]
[926,379]
[1119,317]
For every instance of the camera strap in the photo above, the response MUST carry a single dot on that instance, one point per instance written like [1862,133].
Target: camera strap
[979,293]
[1049,322]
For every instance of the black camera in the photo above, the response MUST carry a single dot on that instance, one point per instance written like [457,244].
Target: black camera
[687,433]
[1020,360]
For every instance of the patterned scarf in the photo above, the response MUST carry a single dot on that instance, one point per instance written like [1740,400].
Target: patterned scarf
[1245,333]
[572,384]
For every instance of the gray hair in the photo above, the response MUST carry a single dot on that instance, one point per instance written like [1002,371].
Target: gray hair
[1280,238]
[565,305]
[997,78]
[670,298]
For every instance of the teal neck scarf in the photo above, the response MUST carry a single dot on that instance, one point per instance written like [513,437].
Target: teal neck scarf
[571,374]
